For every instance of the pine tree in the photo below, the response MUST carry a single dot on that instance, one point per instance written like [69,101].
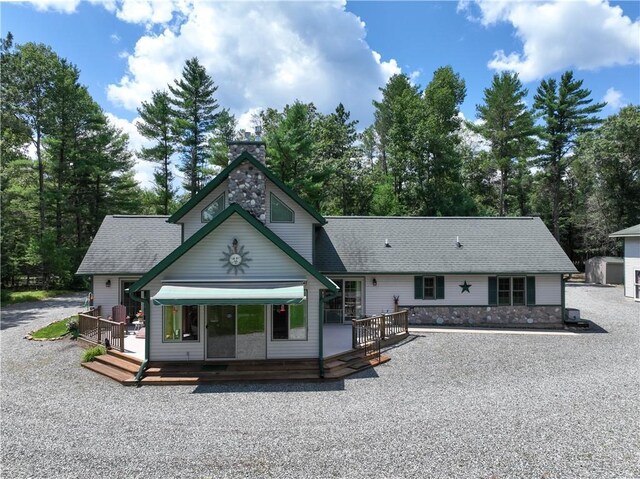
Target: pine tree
[567,111]
[195,106]
[156,124]
[508,127]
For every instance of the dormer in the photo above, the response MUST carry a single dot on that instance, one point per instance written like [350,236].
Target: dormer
[247,182]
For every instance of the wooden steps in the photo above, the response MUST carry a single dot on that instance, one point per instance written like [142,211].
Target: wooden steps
[123,368]
[115,365]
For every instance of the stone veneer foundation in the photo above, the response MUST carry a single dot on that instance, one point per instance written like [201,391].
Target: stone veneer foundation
[247,185]
[491,316]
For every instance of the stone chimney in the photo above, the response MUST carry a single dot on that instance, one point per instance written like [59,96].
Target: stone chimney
[247,186]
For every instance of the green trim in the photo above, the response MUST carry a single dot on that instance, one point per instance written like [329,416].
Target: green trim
[223,175]
[531,290]
[492,298]
[282,204]
[418,287]
[562,298]
[439,287]
[213,224]
[226,302]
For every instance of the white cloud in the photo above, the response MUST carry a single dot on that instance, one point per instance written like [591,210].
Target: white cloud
[614,99]
[143,169]
[559,35]
[259,54]
[63,6]
[114,38]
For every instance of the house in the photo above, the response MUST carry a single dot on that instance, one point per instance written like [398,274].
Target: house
[604,270]
[631,237]
[248,270]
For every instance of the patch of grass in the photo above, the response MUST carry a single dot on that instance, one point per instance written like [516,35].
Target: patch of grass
[54,330]
[91,353]
[13,297]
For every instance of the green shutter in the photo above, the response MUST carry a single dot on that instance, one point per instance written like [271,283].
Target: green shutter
[493,291]
[419,289]
[439,287]
[531,290]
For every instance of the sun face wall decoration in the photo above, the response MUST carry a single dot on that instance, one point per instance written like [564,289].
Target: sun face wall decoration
[235,258]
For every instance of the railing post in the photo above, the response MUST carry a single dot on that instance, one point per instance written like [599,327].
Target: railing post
[98,328]
[122,337]
[354,341]
[382,325]
[406,321]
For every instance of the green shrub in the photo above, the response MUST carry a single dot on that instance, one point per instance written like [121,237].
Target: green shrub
[91,353]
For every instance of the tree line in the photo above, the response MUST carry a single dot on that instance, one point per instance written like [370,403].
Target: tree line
[65,166]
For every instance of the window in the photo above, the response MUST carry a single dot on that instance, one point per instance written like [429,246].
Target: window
[280,213]
[213,209]
[289,321]
[429,287]
[511,291]
[180,323]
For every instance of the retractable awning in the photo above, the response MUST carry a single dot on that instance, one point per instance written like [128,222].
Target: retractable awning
[211,295]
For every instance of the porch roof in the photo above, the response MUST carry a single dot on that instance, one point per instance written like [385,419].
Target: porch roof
[170,294]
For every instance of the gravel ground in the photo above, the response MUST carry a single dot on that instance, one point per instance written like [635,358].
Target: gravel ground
[446,405]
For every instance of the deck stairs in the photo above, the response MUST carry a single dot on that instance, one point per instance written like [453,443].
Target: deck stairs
[123,368]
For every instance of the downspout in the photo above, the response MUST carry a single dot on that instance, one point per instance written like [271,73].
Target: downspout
[564,317]
[323,298]
[146,309]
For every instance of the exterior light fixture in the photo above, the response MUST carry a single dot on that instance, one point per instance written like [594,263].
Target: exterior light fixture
[374,282]
[282,310]
[108,283]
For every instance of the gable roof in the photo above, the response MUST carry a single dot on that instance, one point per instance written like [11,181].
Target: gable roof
[130,244]
[213,224]
[428,245]
[224,174]
[631,231]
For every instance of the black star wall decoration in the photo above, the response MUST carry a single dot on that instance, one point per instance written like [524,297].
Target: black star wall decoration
[465,287]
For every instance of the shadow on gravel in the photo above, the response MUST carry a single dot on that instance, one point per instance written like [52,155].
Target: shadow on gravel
[271,387]
[589,328]
[24,313]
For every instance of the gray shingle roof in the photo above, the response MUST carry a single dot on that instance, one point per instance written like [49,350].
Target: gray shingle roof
[419,245]
[130,244]
[631,231]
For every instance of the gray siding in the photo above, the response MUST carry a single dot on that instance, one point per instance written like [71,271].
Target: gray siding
[192,221]
[631,264]
[298,235]
[109,297]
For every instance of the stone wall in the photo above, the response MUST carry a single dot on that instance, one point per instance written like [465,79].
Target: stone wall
[247,185]
[491,316]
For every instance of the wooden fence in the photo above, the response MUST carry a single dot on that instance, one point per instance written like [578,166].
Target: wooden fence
[368,331]
[101,331]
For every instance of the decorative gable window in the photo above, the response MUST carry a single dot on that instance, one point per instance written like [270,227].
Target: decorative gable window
[213,209]
[280,213]
[429,287]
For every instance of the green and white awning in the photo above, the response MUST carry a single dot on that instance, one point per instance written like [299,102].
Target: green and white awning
[211,295]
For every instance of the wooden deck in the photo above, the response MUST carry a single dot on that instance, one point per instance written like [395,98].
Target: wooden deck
[123,368]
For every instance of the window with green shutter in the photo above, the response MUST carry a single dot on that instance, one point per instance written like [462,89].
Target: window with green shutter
[493,291]
[428,287]
[531,290]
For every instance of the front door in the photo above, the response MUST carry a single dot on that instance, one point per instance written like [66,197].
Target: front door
[221,332]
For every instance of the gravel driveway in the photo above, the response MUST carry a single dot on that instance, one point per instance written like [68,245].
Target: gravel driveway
[447,405]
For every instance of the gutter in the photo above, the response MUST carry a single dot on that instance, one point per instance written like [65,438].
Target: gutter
[323,298]
[146,309]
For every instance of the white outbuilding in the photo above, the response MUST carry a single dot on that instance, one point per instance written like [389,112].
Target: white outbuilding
[631,238]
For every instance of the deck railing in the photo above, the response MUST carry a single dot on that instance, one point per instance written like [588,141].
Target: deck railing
[368,331]
[96,330]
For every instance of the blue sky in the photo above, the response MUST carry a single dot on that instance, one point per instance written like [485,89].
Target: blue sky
[270,53]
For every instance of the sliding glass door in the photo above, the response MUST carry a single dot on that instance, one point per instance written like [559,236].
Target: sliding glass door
[348,304]
[236,332]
